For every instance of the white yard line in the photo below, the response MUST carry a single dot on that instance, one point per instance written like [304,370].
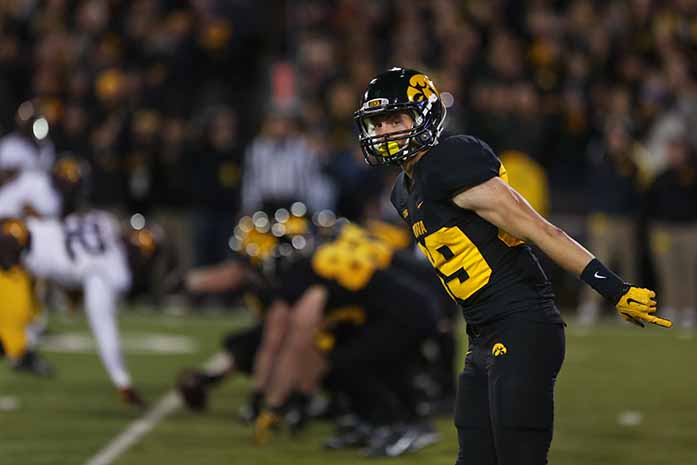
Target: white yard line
[137,429]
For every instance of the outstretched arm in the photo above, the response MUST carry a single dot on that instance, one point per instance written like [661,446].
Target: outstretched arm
[226,276]
[501,205]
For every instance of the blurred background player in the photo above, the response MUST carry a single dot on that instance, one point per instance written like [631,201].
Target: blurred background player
[53,194]
[18,306]
[36,194]
[671,209]
[614,198]
[342,338]
[28,193]
[297,174]
[346,282]
[90,253]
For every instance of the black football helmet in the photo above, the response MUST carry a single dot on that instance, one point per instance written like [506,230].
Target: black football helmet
[396,90]
[268,243]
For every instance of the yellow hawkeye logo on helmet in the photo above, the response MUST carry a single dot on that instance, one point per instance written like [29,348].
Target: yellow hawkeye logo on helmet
[420,88]
[499,349]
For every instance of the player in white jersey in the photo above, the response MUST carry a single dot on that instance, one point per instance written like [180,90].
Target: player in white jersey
[30,193]
[47,195]
[88,252]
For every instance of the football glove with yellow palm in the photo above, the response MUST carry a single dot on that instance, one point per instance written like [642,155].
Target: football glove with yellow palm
[637,304]
[634,304]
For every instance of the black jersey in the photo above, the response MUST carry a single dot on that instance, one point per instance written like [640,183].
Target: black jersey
[490,273]
[416,268]
[258,297]
[362,283]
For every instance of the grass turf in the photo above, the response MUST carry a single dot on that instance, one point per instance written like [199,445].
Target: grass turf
[609,370]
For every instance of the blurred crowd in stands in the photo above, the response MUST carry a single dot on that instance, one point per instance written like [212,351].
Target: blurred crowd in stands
[198,111]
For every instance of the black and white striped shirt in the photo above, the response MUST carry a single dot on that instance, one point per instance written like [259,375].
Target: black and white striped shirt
[284,171]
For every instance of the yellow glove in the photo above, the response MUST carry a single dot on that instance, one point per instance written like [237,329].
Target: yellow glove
[262,428]
[636,306]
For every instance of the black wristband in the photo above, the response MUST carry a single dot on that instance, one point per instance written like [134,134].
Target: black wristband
[604,281]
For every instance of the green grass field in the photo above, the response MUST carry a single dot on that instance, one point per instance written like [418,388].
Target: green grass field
[611,370]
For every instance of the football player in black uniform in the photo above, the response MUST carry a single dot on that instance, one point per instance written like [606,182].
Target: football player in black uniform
[358,272]
[474,228]
[371,319]
[241,347]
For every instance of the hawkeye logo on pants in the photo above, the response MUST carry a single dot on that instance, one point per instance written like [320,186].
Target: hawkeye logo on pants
[499,349]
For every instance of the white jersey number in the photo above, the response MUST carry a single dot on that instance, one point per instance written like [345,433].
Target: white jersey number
[83,236]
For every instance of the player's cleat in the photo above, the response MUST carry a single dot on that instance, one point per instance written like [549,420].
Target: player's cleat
[131,397]
[395,442]
[265,423]
[426,435]
[32,363]
[296,419]
[382,442]
[296,416]
[249,412]
[349,436]
[192,388]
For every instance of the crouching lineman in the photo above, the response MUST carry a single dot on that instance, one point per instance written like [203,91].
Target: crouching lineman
[349,316]
[88,253]
[350,330]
